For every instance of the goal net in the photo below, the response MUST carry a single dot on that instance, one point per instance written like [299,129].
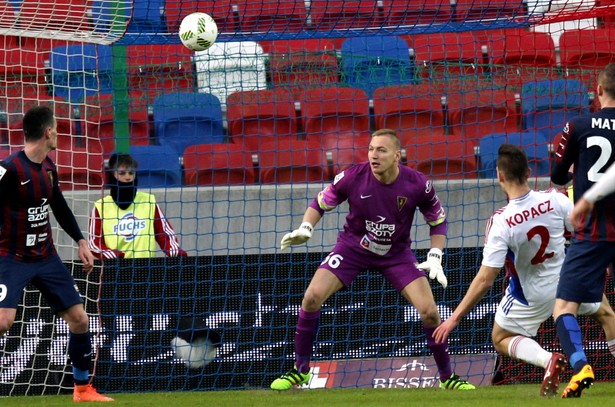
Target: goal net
[235,141]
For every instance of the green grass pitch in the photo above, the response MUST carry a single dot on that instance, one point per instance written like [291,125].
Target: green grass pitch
[601,394]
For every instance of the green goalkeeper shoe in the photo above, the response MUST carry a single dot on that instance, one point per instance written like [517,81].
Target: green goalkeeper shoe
[455,383]
[290,379]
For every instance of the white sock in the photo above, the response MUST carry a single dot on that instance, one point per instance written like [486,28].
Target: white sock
[528,350]
[611,345]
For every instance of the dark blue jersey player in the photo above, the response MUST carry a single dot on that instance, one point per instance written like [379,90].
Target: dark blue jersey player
[29,191]
[588,145]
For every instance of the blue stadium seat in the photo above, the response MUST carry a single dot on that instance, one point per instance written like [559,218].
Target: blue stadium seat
[371,62]
[80,70]
[547,105]
[147,15]
[182,119]
[159,166]
[535,144]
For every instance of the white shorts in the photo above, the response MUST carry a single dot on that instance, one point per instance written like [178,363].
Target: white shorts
[525,320]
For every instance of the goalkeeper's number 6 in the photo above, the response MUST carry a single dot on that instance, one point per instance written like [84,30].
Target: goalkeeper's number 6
[333,260]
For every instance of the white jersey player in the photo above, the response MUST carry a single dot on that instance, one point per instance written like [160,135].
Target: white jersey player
[527,238]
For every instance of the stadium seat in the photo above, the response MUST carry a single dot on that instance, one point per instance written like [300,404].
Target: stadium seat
[147,15]
[229,67]
[490,11]
[411,110]
[80,168]
[281,16]
[256,117]
[159,166]
[440,156]
[535,144]
[56,15]
[100,123]
[222,11]
[289,160]
[522,56]
[584,52]
[328,111]
[8,14]
[474,114]
[371,62]
[548,105]
[403,12]
[217,164]
[80,70]
[185,118]
[346,150]
[302,62]
[154,69]
[447,58]
[344,14]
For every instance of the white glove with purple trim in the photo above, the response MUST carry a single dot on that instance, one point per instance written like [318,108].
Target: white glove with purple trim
[297,236]
[433,265]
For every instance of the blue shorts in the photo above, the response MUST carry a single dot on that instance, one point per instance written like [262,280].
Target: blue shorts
[582,278]
[346,263]
[49,276]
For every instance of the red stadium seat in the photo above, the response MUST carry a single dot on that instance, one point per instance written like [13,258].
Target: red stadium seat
[346,149]
[287,161]
[410,110]
[442,156]
[217,164]
[403,12]
[257,117]
[447,57]
[302,62]
[80,168]
[327,111]
[55,15]
[522,56]
[584,52]
[488,11]
[272,15]
[474,114]
[344,14]
[100,123]
[224,12]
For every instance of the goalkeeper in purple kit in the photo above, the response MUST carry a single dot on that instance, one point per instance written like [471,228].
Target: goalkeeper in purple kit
[383,196]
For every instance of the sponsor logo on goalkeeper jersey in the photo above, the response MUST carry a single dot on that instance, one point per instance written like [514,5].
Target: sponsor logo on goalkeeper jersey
[129,226]
[526,214]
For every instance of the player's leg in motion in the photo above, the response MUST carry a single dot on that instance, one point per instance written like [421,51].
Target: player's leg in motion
[419,294]
[323,285]
[80,353]
[515,325]
[571,340]
[528,350]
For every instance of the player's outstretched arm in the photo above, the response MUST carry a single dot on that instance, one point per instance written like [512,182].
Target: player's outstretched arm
[483,281]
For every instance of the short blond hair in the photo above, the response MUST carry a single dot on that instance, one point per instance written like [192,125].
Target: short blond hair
[391,134]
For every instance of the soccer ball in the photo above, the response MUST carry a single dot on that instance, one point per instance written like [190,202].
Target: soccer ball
[198,31]
[195,355]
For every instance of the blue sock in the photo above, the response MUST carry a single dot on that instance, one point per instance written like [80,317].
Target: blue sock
[80,353]
[571,340]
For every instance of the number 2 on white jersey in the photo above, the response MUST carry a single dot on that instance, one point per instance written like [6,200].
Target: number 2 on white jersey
[543,233]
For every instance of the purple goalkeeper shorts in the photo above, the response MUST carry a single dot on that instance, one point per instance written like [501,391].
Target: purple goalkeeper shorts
[346,263]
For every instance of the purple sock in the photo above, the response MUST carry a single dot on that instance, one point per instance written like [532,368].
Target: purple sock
[305,335]
[439,352]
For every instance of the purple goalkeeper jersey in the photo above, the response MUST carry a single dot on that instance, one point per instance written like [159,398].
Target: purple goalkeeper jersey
[381,216]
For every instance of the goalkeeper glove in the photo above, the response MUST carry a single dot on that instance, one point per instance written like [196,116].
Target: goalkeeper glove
[433,265]
[298,236]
